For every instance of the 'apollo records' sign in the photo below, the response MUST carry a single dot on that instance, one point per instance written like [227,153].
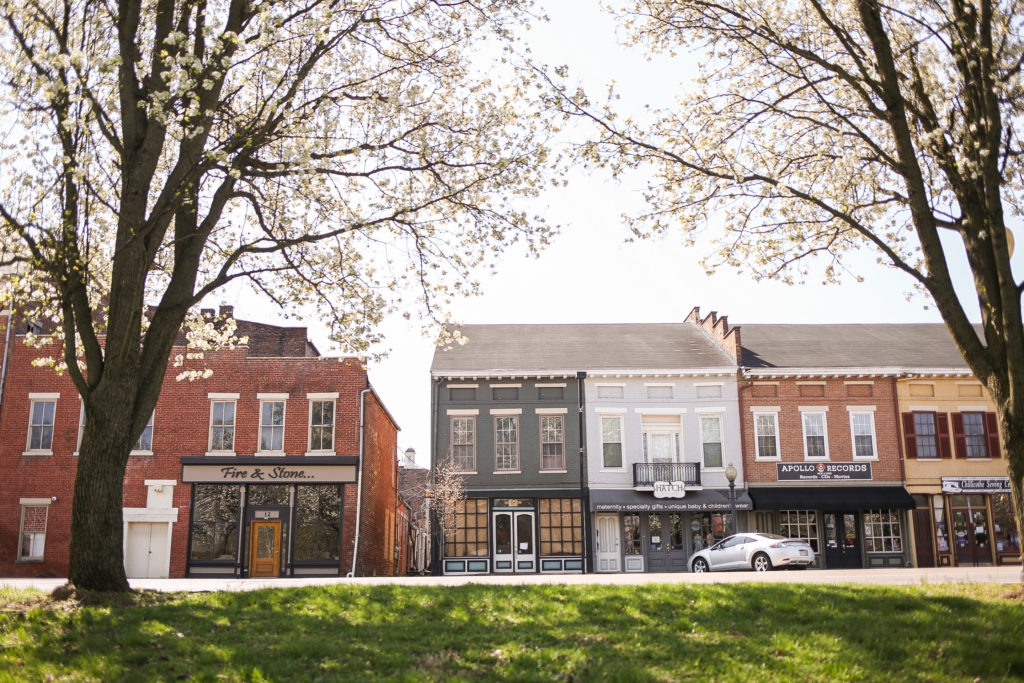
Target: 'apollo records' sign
[823,471]
[669,489]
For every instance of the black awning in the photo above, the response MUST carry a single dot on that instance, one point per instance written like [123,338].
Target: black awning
[832,498]
[628,500]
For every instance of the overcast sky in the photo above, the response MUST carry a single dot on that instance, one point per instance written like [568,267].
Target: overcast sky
[589,274]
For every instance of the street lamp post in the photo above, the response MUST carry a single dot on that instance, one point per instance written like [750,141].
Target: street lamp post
[730,474]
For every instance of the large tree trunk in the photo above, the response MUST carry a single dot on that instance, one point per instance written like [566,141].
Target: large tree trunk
[97,529]
[1011,437]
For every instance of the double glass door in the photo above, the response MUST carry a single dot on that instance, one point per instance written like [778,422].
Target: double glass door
[972,542]
[842,542]
[666,550]
[514,548]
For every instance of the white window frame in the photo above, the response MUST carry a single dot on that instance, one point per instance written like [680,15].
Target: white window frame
[720,416]
[541,416]
[81,426]
[774,414]
[504,415]
[463,415]
[674,429]
[272,398]
[223,398]
[622,440]
[33,400]
[805,412]
[144,451]
[32,503]
[869,411]
[331,398]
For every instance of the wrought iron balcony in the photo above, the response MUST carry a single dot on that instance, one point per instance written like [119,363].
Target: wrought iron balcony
[646,473]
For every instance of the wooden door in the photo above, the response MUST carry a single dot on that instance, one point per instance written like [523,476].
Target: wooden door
[145,554]
[265,548]
[923,545]
[608,543]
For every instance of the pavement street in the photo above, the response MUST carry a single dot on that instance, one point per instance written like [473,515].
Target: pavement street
[888,577]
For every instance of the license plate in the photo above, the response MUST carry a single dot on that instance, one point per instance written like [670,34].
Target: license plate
[803,552]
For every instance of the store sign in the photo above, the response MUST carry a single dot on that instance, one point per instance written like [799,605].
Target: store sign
[669,489]
[976,485]
[268,474]
[681,506]
[823,471]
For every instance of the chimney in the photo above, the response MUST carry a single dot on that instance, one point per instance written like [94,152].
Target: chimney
[718,329]
[207,313]
[227,311]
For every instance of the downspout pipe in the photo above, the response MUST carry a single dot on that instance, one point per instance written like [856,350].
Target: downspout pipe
[7,352]
[359,485]
[434,561]
[588,546]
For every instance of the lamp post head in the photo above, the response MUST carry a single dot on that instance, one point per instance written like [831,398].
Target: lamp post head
[730,473]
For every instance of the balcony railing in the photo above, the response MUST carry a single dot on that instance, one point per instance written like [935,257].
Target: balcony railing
[646,473]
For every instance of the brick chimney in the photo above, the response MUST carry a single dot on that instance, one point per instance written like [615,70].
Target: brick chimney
[227,311]
[718,329]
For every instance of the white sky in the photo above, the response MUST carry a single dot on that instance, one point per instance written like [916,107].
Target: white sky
[589,274]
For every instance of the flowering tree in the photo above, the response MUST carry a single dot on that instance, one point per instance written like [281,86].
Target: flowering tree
[817,128]
[335,155]
[447,496]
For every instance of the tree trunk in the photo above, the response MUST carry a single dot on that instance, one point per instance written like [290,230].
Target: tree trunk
[97,529]
[1011,438]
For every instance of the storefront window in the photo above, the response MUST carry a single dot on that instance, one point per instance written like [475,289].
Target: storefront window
[317,522]
[469,537]
[215,516]
[709,528]
[631,523]
[800,524]
[882,531]
[274,494]
[561,526]
[1005,530]
[941,530]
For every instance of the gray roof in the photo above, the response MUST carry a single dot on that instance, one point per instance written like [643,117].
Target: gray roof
[903,346]
[564,349]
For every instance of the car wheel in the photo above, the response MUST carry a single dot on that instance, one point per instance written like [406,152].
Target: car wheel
[762,563]
[700,565]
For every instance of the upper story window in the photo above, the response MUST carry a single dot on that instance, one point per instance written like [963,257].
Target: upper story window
[815,435]
[462,393]
[661,439]
[272,426]
[976,434]
[506,443]
[42,408]
[926,435]
[611,441]
[464,443]
[659,391]
[321,424]
[862,432]
[766,435]
[500,393]
[552,442]
[711,440]
[222,424]
[610,390]
[145,443]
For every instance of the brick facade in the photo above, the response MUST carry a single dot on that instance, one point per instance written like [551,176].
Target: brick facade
[181,427]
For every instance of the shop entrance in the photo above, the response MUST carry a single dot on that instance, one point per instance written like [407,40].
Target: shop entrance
[972,541]
[608,543]
[514,550]
[842,542]
[666,551]
[265,553]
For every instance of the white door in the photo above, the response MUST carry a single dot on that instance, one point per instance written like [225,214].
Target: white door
[608,543]
[513,542]
[146,556]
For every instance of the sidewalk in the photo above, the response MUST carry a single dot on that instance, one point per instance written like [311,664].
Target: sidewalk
[889,577]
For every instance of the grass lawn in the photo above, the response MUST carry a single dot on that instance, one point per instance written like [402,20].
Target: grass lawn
[567,633]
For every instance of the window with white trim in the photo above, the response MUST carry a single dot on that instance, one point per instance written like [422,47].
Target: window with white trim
[32,533]
[271,426]
[464,443]
[862,431]
[800,524]
[611,441]
[766,436]
[975,436]
[506,443]
[321,425]
[661,438]
[145,442]
[815,436]
[882,531]
[40,425]
[552,442]
[711,440]
[926,435]
[222,426]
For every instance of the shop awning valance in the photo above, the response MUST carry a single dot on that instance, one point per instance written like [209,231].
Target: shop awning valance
[831,498]
[627,500]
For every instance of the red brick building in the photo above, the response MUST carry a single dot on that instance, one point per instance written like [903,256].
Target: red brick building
[265,468]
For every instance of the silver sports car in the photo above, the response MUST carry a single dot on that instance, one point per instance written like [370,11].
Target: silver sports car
[760,552]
